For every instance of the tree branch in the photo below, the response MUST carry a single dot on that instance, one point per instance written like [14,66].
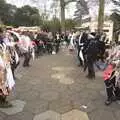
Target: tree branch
[69,1]
[117,3]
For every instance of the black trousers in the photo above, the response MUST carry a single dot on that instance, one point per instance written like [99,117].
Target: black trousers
[2,98]
[57,47]
[27,57]
[40,50]
[49,48]
[111,89]
[90,65]
[13,67]
[85,62]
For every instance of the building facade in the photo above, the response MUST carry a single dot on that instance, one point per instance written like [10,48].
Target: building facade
[108,28]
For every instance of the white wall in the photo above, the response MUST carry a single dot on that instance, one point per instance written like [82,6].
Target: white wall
[108,25]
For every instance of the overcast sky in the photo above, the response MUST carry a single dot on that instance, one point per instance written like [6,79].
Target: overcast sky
[69,11]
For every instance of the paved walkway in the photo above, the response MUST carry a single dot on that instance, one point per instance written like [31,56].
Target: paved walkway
[54,88]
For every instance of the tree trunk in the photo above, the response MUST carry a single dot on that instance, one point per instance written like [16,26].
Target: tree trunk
[101,15]
[62,6]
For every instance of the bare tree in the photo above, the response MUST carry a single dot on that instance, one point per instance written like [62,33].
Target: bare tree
[82,10]
[117,4]
[63,4]
[101,4]
[42,6]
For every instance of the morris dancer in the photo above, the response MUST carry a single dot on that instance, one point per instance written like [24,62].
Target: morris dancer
[26,49]
[112,82]
[6,78]
[3,88]
[112,76]
[11,45]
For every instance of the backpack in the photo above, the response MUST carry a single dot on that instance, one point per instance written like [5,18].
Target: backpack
[93,48]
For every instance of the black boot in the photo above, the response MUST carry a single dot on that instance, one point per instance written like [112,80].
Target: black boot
[90,76]
[117,93]
[4,103]
[109,91]
[108,102]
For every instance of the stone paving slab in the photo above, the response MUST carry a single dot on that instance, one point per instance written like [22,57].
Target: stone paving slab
[75,115]
[50,96]
[66,81]
[56,86]
[58,76]
[21,116]
[17,107]
[61,105]
[37,106]
[48,115]
[117,114]
[61,68]
[102,114]
[62,75]
[2,116]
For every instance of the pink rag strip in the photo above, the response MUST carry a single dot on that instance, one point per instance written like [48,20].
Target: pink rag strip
[108,71]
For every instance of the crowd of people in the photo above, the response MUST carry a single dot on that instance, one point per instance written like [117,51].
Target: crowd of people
[47,42]
[90,48]
[92,52]
[15,45]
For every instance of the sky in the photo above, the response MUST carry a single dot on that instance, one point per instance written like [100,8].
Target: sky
[69,11]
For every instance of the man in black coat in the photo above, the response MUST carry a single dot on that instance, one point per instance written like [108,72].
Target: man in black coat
[91,52]
[94,51]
